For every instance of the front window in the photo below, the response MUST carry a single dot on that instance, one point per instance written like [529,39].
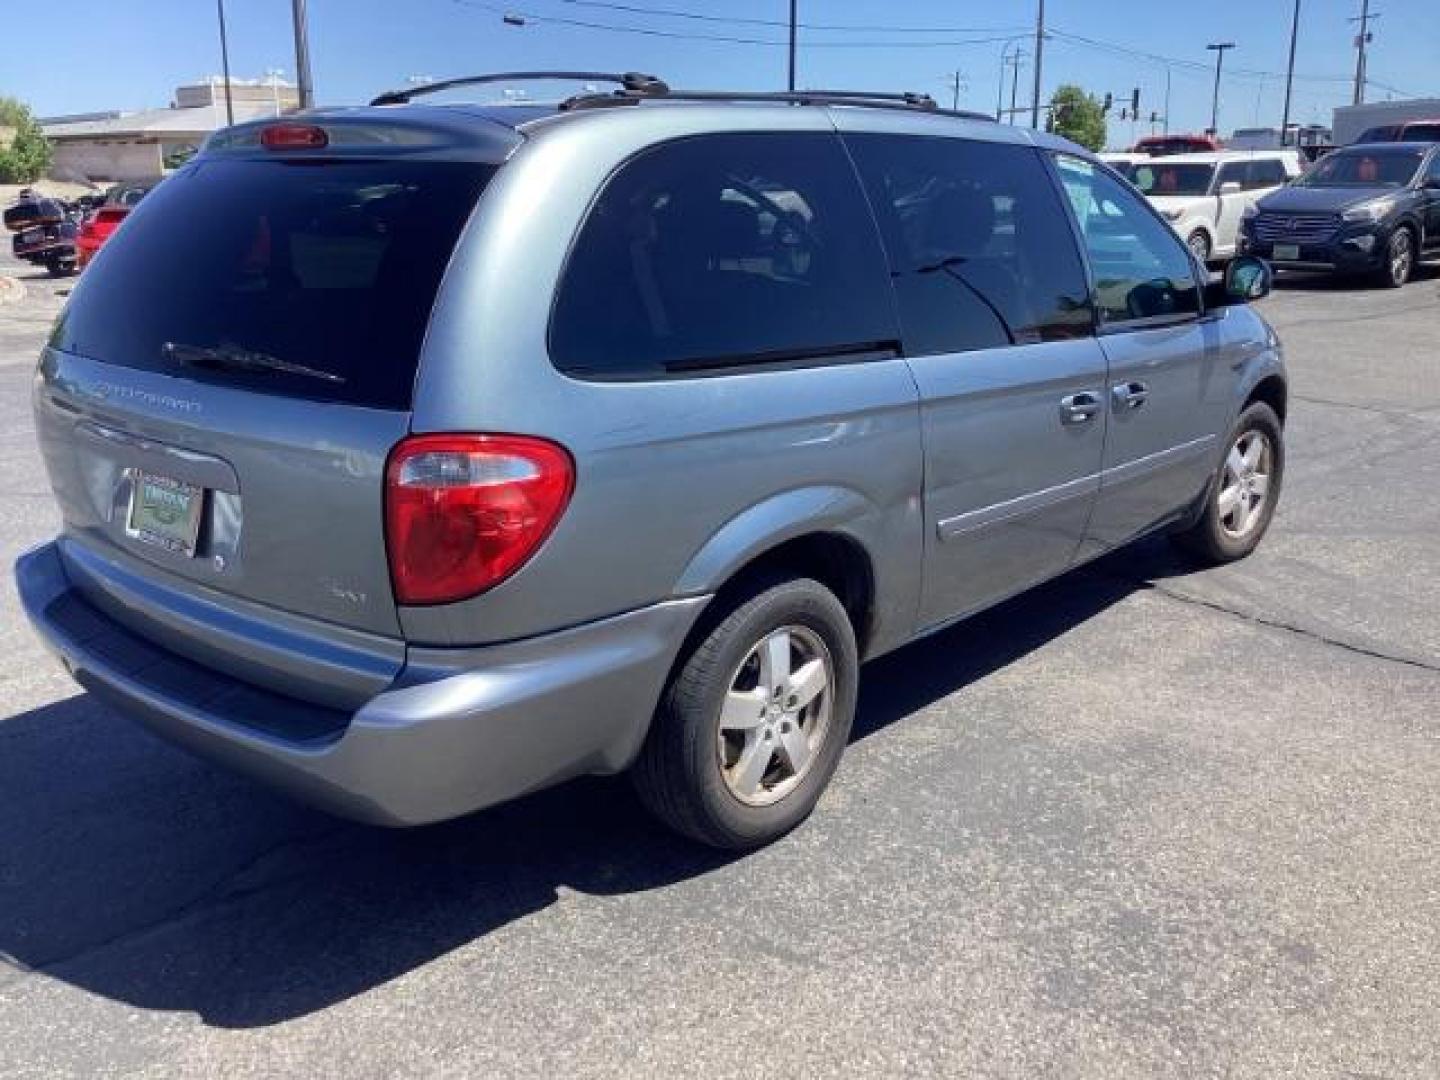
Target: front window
[1172,178]
[1364,168]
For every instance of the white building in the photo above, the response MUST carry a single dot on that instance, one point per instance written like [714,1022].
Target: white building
[141,145]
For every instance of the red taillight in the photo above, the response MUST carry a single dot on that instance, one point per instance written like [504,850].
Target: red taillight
[294,137]
[464,512]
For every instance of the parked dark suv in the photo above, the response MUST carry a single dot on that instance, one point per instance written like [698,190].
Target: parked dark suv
[416,457]
[1371,209]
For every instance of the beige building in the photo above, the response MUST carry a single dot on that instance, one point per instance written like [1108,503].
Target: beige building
[141,145]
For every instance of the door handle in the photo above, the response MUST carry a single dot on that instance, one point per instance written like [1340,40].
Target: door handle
[1130,395]
[1079,407]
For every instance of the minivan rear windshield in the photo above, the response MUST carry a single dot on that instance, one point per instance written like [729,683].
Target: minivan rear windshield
[306,279]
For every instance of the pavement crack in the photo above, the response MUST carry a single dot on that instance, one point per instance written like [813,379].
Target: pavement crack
[1379,410]
[1289,627]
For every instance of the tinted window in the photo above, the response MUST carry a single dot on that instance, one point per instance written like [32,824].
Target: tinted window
[1388,167]
[723,249]
[1433,172]
[1173,178]
[1263,174]
[1233,173]
[980,250]
[1423,132]
[332,267]
[1140,268]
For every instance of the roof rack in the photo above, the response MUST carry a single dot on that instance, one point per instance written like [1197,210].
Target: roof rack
[630,83]
[862,98]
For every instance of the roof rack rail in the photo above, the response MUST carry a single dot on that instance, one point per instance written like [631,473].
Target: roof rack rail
[630,83]
[862,98]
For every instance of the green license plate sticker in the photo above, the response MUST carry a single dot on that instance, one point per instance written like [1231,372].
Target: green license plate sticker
[166,513]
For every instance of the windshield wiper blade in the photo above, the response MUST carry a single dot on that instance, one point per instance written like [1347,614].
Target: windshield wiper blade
[234,358]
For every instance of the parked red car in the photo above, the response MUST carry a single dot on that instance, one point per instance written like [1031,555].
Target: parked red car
[119,201]
[1165,145]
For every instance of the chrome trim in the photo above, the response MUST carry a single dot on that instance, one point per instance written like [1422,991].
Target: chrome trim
[1142,467]
[1023,505]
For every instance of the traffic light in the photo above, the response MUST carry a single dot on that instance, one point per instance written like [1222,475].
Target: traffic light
[1109,102]
[1135,102]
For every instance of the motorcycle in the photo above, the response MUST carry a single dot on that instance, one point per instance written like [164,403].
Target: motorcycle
[45,231]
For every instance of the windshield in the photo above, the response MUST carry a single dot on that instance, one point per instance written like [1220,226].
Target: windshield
[261,274]
[1363,168]
[1172,178]
[1423,132]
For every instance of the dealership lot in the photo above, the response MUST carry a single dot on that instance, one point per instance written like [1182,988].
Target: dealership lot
[1143,821]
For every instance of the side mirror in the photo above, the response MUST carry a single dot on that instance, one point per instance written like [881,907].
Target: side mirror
[1246,278]
[1231,187]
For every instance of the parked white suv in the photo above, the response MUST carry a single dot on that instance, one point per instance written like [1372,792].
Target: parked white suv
[1204,196]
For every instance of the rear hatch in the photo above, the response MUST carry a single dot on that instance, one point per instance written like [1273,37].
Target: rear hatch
[219,396]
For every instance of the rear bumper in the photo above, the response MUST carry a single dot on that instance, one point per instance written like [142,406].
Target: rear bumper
[458,731]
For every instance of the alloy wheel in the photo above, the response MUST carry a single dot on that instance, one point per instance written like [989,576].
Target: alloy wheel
[776,715]
[1245,483]
[1402,257]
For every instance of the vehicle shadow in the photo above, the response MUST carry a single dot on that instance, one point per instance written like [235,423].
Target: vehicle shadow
[1301,281]
[138,874]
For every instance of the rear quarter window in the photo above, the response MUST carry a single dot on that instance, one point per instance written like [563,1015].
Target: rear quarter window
[723,251]
[332,266]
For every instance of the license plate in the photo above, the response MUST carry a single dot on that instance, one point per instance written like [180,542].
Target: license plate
[1287,253]
[165,512]
[32,236]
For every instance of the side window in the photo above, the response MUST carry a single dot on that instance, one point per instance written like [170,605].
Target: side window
[1232,173]
[1141,269]
[1265,173]
[721,250]
[1433,172]
[981,253]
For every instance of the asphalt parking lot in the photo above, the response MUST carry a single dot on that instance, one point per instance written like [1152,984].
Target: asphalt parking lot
[1145,821]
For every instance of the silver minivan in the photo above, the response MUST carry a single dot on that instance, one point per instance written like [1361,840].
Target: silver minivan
[414,457]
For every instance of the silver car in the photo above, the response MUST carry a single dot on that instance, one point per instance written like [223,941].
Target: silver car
[414,457]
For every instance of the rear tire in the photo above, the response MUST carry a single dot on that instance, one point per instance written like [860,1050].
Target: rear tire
[719,763]
[1241,497]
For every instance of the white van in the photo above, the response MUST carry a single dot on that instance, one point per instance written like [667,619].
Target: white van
[1203,196]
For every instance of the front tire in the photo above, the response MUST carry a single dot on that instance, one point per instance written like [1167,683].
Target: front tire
[1399,262]
[1241,497]
[1199,245]
[752,725]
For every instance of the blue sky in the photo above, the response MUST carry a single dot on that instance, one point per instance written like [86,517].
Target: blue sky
[131,53]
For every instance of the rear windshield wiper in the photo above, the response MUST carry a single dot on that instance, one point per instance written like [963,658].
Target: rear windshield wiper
[234,358]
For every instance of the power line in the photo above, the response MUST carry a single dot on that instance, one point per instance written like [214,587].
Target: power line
[738,20]
[1187,65]
[726,39]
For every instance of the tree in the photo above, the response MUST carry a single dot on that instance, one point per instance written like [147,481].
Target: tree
[28,156]
[1077,116]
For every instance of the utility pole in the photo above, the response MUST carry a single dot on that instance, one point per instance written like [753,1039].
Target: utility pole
[304,88]
[1015,58]
[1219,50]
[955,81]
[1290,76]
[225,63]
[791,82]
[1167,100]
[1362,39]
[1039,63]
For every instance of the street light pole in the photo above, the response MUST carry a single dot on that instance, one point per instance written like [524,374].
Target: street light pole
[1290,75]
[225,63]
[791,83]
[1039,63]
[1219,50]
[304,88]
[1015,59]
